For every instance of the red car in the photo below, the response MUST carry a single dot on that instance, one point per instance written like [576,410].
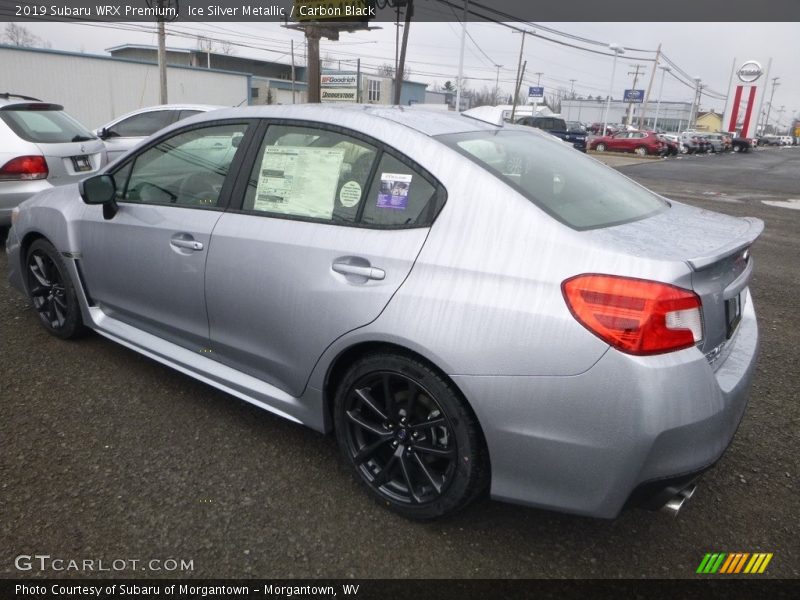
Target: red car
[638,142]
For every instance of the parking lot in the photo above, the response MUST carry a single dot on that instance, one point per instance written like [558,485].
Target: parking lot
[105,454]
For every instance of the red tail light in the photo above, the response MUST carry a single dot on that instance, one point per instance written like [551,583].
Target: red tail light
[24,168]
[635,315]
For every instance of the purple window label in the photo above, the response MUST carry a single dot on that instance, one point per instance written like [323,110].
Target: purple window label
[393,193]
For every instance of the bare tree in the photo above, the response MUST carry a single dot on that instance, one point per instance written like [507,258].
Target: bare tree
[486,97]
[210,46]
[17,35]
[387,70]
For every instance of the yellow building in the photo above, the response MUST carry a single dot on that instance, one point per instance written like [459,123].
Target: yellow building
[709,121]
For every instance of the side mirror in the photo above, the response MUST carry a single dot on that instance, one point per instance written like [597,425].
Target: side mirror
[236,140]
[100,189]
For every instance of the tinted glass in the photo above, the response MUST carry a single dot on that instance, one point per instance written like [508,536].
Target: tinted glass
[309,173]
[186,169]
[45,126]
[143,124]
[399,196]
[578,191]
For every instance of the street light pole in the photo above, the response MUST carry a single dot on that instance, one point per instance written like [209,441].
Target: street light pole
[664,70]
[617,51]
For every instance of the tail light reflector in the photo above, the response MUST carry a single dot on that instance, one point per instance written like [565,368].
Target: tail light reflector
[635,316]
[24,168]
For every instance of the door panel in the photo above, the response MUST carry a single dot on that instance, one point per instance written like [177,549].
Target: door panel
[136,273]
[145,266]
[279,291]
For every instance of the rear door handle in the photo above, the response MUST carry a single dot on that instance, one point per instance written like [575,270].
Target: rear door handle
[187,244]
[368,272]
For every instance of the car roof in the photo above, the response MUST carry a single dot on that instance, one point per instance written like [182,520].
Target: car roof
[360,117]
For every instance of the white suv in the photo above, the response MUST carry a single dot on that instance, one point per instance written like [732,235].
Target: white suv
[41,146]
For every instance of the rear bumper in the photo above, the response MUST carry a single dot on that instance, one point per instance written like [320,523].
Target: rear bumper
[13,193]
[583,444]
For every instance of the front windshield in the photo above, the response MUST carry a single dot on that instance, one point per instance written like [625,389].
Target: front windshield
[578,191]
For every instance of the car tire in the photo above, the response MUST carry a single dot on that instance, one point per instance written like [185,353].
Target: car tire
[640,151]
[51,291]
[409,436]
[600,148]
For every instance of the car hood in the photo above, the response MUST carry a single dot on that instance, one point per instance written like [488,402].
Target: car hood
[682,233]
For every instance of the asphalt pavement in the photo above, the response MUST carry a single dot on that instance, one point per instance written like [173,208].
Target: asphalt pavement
[107,455]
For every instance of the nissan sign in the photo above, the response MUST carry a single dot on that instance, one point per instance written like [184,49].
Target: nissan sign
[749,71]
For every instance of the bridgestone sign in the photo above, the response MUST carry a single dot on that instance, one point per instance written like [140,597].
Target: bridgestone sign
[339,95]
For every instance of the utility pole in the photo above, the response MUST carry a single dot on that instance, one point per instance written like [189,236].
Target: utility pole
[771,96]
[497,85]
[630,104]
[293,77]
[461,56]
[312,37]
[649,87]
[401,67]
[519,76]
[162,55]
[516,92]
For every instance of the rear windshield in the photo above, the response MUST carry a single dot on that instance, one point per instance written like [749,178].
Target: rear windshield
[578,191]
[45,126]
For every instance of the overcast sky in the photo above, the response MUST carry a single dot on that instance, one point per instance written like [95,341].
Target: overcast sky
[706,50]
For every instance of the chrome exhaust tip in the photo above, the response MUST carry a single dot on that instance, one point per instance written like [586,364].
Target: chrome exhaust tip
[688,491]
[674,506]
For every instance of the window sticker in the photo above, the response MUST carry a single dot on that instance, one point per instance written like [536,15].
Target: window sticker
[298,180]
[350,194]
[393,192]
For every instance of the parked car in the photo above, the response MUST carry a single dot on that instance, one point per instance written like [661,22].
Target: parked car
[123,133]
[716,140]
[562,337]
[642,143]
[559,128]
[786,140]
[41,146]
[743,144]
[694,143]
[597,128]
[671,144]
[675,139]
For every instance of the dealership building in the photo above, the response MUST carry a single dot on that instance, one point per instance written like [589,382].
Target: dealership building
[672,116]
[97,88]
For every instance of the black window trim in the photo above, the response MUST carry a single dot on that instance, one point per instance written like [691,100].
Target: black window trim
[248,162]
[233,170]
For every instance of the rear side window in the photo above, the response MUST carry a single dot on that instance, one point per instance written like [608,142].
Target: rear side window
[578,191]
[307,172]
[45,126]
[398,197]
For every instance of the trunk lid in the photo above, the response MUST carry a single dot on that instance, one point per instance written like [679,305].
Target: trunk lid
[716,248]
[72,161]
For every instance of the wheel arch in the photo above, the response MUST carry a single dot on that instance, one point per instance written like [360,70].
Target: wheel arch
[344,359]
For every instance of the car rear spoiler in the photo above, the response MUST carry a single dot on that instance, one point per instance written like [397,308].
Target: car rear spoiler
[734,246]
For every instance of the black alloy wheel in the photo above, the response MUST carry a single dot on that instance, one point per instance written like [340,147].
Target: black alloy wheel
[51,291]
[409,437]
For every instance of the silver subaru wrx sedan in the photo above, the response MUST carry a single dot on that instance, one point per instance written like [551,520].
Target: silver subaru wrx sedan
[470,306]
